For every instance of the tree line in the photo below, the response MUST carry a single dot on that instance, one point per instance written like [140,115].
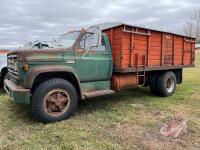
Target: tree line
[192,26]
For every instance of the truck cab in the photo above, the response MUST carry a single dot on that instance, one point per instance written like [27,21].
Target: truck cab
[52,80]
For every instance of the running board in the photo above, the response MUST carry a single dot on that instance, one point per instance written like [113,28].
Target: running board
[98,93]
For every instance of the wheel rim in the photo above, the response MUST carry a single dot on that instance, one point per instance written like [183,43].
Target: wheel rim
[170,85]
[56,102]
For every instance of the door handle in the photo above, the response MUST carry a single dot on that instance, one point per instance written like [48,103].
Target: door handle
[106,53]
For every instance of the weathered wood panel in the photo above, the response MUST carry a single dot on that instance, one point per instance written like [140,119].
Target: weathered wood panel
[130,44]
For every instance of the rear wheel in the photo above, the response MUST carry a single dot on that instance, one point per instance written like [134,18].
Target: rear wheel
[166,84]
[54,100]
[153,84]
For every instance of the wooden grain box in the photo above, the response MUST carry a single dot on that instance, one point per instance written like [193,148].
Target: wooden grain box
[136,47]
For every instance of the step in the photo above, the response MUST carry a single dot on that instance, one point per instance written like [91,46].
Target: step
[141,66]
[141,75]
[98,93]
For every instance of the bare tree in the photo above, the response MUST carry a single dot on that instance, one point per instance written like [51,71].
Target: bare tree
[196,22]
[188,29]
[192,27]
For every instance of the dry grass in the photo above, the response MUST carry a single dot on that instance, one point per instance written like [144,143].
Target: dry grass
[127,120]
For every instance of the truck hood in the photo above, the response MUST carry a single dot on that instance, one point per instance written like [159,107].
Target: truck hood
[39,55]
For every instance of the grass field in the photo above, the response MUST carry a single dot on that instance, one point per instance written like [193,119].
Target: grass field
[127,120]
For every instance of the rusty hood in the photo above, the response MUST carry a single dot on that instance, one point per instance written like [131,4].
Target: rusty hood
[39,55]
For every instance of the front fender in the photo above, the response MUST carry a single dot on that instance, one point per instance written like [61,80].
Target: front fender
[34,72]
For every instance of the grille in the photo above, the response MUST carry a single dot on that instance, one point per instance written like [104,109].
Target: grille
[13,65]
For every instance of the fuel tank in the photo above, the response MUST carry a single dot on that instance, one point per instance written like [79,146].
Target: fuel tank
[124,81]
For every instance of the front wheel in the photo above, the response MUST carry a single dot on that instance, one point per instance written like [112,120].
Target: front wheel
[54,100]
[166,84]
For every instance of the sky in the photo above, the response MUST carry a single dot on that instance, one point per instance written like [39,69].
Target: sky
[22,21]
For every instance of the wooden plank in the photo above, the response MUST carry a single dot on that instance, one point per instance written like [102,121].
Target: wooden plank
[183,51]
[148,49]
[152,68]
[131,50]
[191,53]
[173,50]
[122,47]
[162,47]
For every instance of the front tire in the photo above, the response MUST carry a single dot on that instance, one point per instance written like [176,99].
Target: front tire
[54,100]
[166,84]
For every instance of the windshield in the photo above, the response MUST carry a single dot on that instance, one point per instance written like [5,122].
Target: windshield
[67,40]
[28,45]
[36,45]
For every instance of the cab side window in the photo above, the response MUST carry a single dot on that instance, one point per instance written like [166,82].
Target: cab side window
[87,43]
[101,47]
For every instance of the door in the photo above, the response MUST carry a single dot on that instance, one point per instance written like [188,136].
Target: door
[93,63]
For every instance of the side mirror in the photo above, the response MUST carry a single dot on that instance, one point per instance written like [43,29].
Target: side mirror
[97,38]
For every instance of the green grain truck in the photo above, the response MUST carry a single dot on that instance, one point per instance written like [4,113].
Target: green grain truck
[96,62]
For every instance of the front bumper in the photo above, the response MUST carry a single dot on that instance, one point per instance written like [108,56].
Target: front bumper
[18,94]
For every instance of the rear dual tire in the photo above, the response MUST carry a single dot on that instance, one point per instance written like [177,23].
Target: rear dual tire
[163,85]
[153,84]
